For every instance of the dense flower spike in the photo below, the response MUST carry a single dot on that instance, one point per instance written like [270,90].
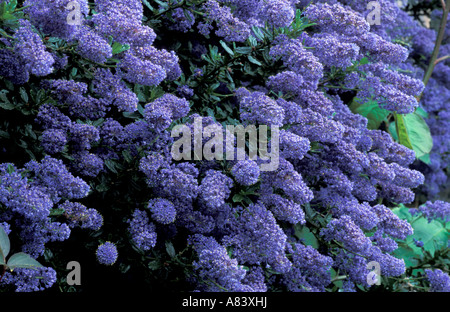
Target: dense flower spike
[434,210]
[79,215]
[309,271]
[54,140]
[54,176]
[440,281]
[91,92]
[161,112]
[52,16]
[32,51]
[258,239]
[113,89]
[215,189]
[229,27]
[136,70]
[257,108]
[142,231]
[337,18]
[92,46]
[299,60]
[30,280]
[214,265]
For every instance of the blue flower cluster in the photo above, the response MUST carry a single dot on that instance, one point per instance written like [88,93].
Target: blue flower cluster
[107,253]
[106,134]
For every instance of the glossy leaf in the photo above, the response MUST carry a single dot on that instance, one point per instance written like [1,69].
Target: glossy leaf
[303,233]
[372,111]
[419,134]
[22,260]
[4,245]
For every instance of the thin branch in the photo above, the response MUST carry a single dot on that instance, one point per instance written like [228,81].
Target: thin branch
[441,59]
[437,46]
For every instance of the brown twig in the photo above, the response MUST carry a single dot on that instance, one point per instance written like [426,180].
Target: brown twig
[441,59]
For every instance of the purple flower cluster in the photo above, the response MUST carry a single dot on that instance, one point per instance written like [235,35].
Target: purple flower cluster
[32,51]
[335,178]
[434,210]
[161,112]
[258,239]
[78,215]
[107,253]
[142,231]
[215,269]
[51,16]
[30,280]
[246,172]
[310,270]
[439,281]
[214,189]
[163,211]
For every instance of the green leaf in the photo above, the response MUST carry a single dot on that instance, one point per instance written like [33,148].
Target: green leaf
[403,212]
[7,105]
[23,94]
[12,5]
[402,132]
[4,245]
[224,45]
[148,5]
[111,165]
[425,158]
[22,260]
[238,198]
[119,48]
[4,134]
[2,9]
[127,156]
[254,61]
[421,112]
[170,249]
[74,72]
[364,61]
[56,212]
[10,169]
[433,234]
[244,50]
[258,33]
[303,233]
[419,134]
[393,131]
[154,265]
[372,111]
[408,254]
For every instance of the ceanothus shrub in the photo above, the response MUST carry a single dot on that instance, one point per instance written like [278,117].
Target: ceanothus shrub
[87,113]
